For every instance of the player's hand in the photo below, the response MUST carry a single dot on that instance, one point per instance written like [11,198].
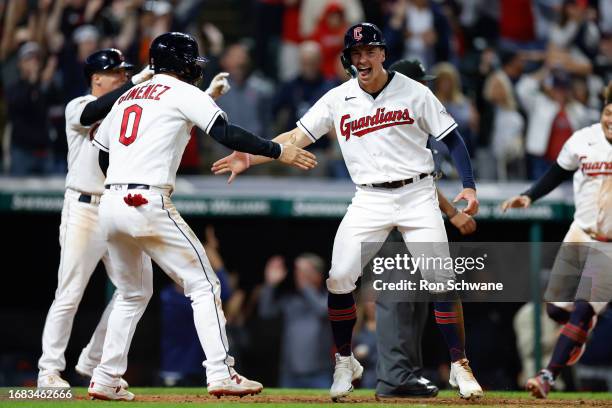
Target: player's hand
[218,86]
[469,195]
[521,201]
[275,271]
[464,223]
[296,156]
[235,163]
[143,75]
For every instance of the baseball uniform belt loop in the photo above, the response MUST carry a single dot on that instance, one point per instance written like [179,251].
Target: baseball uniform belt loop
[398,183]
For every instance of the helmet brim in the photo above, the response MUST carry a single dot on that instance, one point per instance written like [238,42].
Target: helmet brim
[125,65]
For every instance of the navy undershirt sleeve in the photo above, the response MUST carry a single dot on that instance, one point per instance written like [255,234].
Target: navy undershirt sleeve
[236,138]
[98,109]
[554,176]
[461,158]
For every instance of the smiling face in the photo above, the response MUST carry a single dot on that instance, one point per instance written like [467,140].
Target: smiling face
[606,121]
[368,59]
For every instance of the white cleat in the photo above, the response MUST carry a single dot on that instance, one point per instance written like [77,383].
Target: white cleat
[347,370]
[236,385]
[461,377]
[52,381]
[86,373]
[106,393]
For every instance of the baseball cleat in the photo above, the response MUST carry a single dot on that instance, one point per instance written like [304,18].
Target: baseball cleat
[540,385]
[346,371]
[86,373]
[236,385]
[461,377]
[52,381]
[106,393]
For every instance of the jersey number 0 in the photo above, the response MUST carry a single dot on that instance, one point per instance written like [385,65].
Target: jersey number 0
[136,112]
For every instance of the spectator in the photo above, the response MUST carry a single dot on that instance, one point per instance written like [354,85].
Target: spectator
[329,33]
[447,88]
[517,23]
[312,10]
[417,29]
[295,97]
[508,124]
[290,39]
[27,111]
[576,29]
[602,64]
[552,116]
[306,339]
[247,90]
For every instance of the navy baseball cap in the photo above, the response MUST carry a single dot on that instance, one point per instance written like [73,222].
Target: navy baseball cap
[413,69]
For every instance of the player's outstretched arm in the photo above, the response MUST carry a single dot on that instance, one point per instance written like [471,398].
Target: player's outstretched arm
[292,142]
[554,176]
[461,158]
[462,221]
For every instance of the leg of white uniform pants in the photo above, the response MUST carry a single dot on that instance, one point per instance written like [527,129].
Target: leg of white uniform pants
[131,275]
[92,353]
[367,219]
[178,251]
[82,246]
[422,227]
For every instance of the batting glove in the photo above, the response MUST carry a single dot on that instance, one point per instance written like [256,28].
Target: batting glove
[218,86]
[143,75]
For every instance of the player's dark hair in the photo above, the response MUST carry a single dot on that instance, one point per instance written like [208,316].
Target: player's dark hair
[608,94]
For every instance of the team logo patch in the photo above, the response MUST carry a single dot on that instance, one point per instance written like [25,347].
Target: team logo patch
[380,120]
[357,33]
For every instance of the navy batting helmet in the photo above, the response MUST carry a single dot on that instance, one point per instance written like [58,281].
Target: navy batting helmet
[105,60]
[177,53]
[360,34]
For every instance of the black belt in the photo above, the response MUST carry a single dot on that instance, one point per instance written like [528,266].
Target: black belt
[132,186]
[89,198]
[398,183]
[85,198]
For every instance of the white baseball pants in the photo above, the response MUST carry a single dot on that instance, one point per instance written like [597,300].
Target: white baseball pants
[371,216]
[157,229]
[591,263]
[82,247]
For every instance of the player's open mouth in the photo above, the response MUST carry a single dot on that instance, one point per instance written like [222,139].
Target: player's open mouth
[364,71]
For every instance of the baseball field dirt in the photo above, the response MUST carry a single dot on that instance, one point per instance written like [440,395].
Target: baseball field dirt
[191,397]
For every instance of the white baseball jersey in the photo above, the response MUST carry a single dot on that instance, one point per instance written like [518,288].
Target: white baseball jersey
[84,172]
[382,139]
[148,128]
[589,151]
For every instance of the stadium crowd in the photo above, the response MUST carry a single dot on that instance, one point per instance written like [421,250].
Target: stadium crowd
[519,76]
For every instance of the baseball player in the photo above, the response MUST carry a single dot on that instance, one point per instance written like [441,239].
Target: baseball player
[383,120]
[82,244]
[145,135]
[587,155]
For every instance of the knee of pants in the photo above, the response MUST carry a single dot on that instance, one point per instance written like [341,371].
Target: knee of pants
[340,283]
[583,311]
[556,313]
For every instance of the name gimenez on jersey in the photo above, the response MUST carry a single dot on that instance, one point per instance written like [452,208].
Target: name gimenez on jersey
[152,91]
[372,123]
